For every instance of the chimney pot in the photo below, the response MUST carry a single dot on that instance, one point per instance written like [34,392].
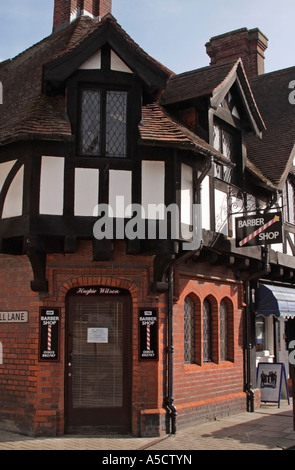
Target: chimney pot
[66,11]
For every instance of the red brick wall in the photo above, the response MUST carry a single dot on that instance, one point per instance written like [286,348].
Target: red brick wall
[32,392]
[249,45]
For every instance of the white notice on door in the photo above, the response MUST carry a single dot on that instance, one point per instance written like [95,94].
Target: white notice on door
[97,335]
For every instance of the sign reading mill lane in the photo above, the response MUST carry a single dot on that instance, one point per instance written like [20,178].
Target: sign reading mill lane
[49,334]
[148,334]
[260,229]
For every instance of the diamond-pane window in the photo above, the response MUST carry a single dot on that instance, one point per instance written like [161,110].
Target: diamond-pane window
[116,123]
[189,331]
[223,331]
[207,331]
[103,123]
[91,106]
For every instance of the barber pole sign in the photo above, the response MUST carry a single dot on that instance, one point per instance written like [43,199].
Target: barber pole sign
[49,334]
[260,229]
[148,334]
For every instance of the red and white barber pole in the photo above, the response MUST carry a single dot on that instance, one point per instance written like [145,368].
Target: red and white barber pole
[49,338]
[148,338]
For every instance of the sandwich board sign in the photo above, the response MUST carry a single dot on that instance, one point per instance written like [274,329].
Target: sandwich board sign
[271,377]
[259,229]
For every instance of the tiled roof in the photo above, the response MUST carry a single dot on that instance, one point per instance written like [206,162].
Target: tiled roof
[274,153]
[158,128]
[196,83]
[26,109]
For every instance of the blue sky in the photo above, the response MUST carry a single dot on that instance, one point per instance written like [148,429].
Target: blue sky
[172,31]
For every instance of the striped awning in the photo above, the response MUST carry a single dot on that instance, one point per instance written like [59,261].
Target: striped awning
[276,300]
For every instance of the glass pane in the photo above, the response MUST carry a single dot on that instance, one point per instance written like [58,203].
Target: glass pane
[97,361]
[227,145]
[223,331]
[116,123]
[90,124]
[189,331]
[206,331]
[216,137]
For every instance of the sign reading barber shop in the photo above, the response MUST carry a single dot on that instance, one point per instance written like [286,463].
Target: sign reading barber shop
[260,229]
[148,334]
[49,334]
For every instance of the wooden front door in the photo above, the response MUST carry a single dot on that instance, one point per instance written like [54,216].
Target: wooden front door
[98,363]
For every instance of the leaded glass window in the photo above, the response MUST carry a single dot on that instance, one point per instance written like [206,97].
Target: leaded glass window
[223,331]
[207,314]
[189,331]
[103,123]
[224,142]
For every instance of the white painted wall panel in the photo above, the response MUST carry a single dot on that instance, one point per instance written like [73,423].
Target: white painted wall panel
[118,65]
[205,203]
[120,193]
[94,63]
[13,205]
[86,191]
[186,201]
[52,186]
[153,187]
[4,171]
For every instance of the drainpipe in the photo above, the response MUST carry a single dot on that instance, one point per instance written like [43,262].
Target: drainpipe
[265,270]
[171,411]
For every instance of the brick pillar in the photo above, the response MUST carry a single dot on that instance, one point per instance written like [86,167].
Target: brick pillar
[249,45]
[66,11]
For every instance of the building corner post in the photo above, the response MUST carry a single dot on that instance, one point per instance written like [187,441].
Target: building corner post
[171,412]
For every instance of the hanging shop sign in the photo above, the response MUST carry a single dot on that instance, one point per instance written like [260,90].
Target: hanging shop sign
[49,334]
[148,334]
[271,378]
[260,229]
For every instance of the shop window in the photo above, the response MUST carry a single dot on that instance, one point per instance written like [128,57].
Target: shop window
[207,331]
[189,331]
[103,122]
[223,331]
[290,202]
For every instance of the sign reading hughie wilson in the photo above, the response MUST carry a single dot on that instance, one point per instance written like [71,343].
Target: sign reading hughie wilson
[260,229]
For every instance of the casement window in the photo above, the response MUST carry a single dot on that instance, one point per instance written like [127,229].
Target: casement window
[189,331]
[224,142]
[103,122]
[290,202]
[207,331]
[228,141]
[223,331]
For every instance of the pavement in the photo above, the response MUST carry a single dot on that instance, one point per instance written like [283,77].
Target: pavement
[269,427]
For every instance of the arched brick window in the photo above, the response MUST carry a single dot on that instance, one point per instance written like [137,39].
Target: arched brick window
[207,331]
[223,331]
[189,331]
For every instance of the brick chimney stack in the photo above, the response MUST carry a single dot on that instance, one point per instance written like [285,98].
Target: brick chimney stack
[66,11]
[249,45]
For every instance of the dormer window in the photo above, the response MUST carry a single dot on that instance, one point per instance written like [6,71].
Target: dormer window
[103,129]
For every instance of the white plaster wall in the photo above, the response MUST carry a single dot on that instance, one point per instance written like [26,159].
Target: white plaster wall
[52,186]
[86,191]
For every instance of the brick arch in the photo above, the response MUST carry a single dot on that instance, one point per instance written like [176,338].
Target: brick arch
[214,326]
[197,324]
[230,327]
[106,281]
